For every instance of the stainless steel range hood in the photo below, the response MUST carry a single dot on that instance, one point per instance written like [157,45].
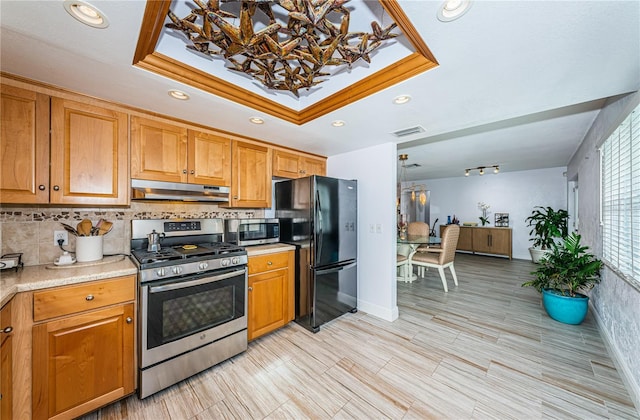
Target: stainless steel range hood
[156,190]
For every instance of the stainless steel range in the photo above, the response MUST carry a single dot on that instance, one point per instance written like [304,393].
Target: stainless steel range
[193,299]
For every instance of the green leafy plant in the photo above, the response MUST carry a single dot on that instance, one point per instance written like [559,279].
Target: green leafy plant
[567,268]
[546,225]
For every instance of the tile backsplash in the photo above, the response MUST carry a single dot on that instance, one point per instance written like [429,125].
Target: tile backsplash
[30,230]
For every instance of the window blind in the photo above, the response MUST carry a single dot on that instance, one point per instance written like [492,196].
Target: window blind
[621,197]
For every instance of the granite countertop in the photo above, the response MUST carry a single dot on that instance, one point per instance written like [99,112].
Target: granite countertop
[255,250]
[44,276]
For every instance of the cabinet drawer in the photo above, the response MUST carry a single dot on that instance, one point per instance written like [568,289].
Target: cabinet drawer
[72,299]
[268,262]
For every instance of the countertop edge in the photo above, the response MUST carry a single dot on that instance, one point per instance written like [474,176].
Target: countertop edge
[256,250]
[38,277]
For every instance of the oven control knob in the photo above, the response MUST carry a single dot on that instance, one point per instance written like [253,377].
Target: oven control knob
[176,270]
[203,265]
[235,260]
[161,272]
[224,262]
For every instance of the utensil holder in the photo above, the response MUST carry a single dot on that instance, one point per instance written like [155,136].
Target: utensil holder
[89,248]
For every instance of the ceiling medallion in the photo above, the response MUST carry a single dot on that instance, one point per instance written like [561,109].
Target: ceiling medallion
[311,41]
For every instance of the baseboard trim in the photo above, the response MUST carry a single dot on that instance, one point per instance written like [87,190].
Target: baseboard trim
[378,311]
[616,356]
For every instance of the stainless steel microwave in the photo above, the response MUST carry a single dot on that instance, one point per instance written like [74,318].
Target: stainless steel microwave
[245,232]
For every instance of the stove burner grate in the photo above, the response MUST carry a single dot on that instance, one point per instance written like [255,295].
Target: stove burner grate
[185,252]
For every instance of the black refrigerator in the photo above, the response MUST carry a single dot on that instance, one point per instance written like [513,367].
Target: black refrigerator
[319,215]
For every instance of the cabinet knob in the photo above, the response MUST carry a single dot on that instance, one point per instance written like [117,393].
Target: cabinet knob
[250,288]
[56,188]
[7,330]
[235,197]
[184,171]
[192,172]
[269,263]
[41,187]
[129,320]
[89,298]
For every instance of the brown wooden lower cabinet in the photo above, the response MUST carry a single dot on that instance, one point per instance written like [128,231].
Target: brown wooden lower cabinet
[6,377]
[484,240]
[83,360]
[271,292]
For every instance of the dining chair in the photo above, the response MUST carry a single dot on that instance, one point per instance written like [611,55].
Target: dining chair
[442,257]
[419,229]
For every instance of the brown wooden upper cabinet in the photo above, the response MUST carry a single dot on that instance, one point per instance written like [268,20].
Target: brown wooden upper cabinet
[209,159]
[161,151]
[24,146]
[294,165]
[87,151]
[251,171]
[89,154]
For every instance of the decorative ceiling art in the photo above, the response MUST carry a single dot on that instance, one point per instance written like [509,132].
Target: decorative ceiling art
[315,56]
[282,56]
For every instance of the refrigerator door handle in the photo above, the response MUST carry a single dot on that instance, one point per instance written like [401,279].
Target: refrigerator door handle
[336,269]
[320,224]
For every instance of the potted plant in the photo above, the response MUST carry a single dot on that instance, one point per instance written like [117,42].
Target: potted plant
[546,225]
[565,271]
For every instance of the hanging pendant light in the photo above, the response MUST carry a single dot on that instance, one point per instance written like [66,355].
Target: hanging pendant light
[417,191]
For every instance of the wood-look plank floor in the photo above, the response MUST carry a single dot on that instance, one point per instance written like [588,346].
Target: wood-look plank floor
[484,350]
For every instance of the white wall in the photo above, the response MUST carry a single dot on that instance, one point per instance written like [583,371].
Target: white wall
[375,170]
[615,301]
[516,193]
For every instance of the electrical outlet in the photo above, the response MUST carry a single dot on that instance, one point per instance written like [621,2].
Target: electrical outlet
[61,234]
[378,228]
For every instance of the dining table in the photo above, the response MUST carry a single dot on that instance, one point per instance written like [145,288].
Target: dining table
[408,245]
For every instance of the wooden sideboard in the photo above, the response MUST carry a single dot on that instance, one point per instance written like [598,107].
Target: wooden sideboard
[484,240]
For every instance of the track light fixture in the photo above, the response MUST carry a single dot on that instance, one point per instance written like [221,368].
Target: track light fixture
[480,169]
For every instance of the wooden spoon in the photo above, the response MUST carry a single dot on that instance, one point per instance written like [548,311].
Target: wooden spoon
[105,227]
[84,227]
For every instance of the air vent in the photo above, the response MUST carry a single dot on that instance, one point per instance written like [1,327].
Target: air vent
[409,131]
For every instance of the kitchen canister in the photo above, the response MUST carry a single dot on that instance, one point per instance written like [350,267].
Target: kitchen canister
[89,248]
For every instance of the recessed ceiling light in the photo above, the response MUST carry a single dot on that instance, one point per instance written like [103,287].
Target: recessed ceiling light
[86,13]
[402,99]
[338,123]
[453,9]
[256,120]
[178,94]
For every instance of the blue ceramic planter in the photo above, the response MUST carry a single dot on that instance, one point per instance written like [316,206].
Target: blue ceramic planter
[569,310]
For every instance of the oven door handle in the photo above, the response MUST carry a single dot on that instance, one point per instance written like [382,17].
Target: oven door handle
[196,282]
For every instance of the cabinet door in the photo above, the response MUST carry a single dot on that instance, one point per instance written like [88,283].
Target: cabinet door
[89,154]
[83,362]
[465,240]
[501,241]
[158,151]
[6,377]
[209,159]
[268,302]
[482,240]
[314,166]
[251,175]
[24,146]
[286,165]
